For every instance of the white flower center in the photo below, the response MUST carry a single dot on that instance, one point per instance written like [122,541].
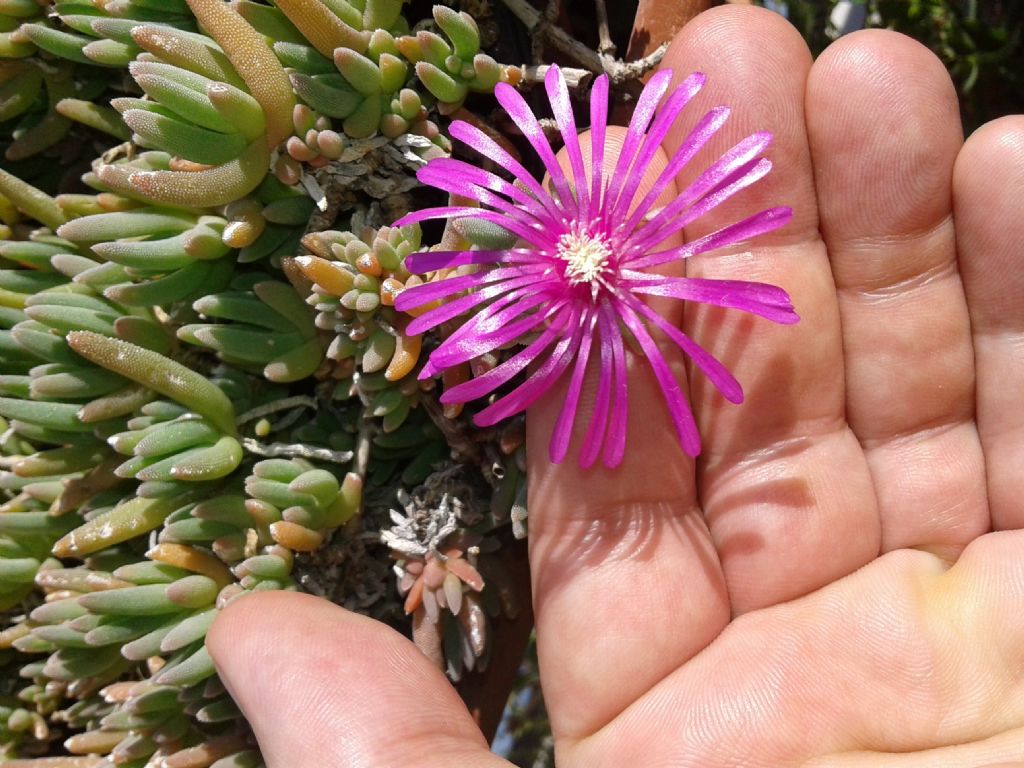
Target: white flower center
[585,256]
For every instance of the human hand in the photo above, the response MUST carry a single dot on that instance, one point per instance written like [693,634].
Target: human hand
[838,581]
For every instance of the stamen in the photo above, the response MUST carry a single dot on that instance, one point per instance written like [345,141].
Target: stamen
[585,255]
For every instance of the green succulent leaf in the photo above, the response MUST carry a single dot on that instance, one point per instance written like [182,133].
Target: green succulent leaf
[461,30]
[184,139]
[159,373]
[126,521]
[440,83]
[209,188]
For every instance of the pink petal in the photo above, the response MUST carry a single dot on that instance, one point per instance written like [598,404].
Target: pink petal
[598,122]
[538,236]
[761,299]
[486,146]
[527,122]
[666,117]
[434,174]
[506,307]
[430,261]
[435,317]
[758,224]
[599,416]
[501,310]
[488,180]
[523,396]
[738,181]
[662,225]
[678,409]
[494,378]
[642,116]
[718,374]
[418,295]
[615,440]
[473,341]
[699,136]
[561,108]
[562,433]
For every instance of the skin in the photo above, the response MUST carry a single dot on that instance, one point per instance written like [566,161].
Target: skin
[837,581]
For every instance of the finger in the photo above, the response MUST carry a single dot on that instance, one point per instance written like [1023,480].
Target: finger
[322,686]
[626,583]
[885,130]
[988,193]
[906,658]
[782,480]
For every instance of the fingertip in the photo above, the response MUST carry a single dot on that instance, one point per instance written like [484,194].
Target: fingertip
[869,53]
[988,190]
[756,63]
[883,118]
[992,153]
[321,685]
[737,32]
[868,69]
[988,196]
[243,621]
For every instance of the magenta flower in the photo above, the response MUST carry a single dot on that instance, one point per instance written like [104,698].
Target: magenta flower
[573,289]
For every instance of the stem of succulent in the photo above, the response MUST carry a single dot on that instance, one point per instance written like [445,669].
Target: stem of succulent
[256,64]
[325,31]
[295,451]
[159,373]
[464,448]
[34,202]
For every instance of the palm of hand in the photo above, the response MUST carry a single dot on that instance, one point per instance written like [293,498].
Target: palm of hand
[886,422]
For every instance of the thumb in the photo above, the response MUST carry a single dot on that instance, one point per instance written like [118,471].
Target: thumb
[325,687]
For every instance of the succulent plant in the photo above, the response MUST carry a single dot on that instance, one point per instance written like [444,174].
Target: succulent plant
[439,562]
[205,388]
[355,281]
[450,69]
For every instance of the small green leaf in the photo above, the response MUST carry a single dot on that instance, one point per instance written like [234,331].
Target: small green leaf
[361,73]
[330,95]
[189,671]
[440,83]
[145,600]
[185,50]
[56,416]
[65,45]
[213,463]
[32,201]
[461,30]
[140,222]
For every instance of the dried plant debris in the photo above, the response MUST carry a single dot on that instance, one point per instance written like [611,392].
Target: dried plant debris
[442,558]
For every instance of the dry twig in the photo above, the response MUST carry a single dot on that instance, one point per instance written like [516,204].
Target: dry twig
[605,46]
[618,71]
